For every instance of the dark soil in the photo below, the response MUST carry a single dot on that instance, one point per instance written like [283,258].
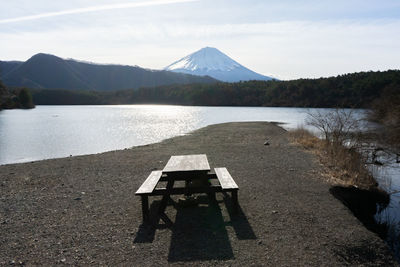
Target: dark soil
[364,204]
[83,210]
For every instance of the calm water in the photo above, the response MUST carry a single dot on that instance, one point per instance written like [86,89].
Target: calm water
[60,131]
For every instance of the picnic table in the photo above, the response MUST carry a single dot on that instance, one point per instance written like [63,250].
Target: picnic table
[196,172]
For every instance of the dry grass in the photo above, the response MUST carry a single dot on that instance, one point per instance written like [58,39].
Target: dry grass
[305,138]
[343,166]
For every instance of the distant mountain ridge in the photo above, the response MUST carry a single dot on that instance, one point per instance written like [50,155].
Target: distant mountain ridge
[212,62]
[49,71]
[7,66]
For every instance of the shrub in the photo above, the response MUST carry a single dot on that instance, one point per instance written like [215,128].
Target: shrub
[338,126]
[386,111]
[337,150]
[25,98]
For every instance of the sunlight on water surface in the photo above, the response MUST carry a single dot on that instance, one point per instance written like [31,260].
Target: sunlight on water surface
[60,131]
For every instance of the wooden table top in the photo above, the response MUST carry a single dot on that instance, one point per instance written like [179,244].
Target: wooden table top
[187,163]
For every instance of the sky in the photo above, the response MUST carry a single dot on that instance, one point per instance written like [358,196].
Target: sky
[285,39]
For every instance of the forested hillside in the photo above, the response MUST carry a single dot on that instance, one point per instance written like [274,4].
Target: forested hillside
[386,111]
[48,71]
[16,98]
[351,90]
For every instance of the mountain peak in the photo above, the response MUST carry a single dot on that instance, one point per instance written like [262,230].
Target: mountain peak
[44,55]
[205,59]
[209,48]
[212,62]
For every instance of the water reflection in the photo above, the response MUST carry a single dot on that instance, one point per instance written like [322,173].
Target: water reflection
[60,131]
[388,176]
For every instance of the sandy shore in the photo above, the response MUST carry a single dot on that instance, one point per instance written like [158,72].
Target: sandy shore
[82,210]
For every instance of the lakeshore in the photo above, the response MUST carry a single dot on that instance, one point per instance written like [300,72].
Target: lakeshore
[82,210]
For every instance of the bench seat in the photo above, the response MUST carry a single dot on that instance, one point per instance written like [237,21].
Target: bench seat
[150,184]
[225,179]
[148,188]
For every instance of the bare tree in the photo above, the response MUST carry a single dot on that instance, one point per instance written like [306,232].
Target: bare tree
[341,131]
[338,126]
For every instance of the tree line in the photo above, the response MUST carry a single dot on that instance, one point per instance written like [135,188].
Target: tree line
[357,90]
[15,98]
[385,110]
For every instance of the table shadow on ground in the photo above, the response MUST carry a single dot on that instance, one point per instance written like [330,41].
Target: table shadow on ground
[199,232]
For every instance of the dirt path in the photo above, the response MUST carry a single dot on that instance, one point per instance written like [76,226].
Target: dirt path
[82,210]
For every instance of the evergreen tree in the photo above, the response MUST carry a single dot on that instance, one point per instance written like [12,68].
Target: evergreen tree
[25,98]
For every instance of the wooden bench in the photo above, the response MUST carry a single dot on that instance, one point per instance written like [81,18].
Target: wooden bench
[228,184]
[186,168]
[147,189]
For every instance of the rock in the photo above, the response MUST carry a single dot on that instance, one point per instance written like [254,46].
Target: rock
[274,212]
[266,143]
[77,198]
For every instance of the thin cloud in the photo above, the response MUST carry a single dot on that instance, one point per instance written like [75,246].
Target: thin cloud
[95,9]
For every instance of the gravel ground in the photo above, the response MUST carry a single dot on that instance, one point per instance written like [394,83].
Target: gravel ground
[82,210]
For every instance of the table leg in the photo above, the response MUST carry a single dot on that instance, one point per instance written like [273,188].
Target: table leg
[235,201]
[166,197]
[145,208]
[187,184]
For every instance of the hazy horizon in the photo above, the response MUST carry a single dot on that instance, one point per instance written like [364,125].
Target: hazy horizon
[283,39]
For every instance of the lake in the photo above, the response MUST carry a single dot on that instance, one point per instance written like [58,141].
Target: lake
[60,131]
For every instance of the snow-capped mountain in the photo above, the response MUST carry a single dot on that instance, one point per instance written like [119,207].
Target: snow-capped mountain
[212,62]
